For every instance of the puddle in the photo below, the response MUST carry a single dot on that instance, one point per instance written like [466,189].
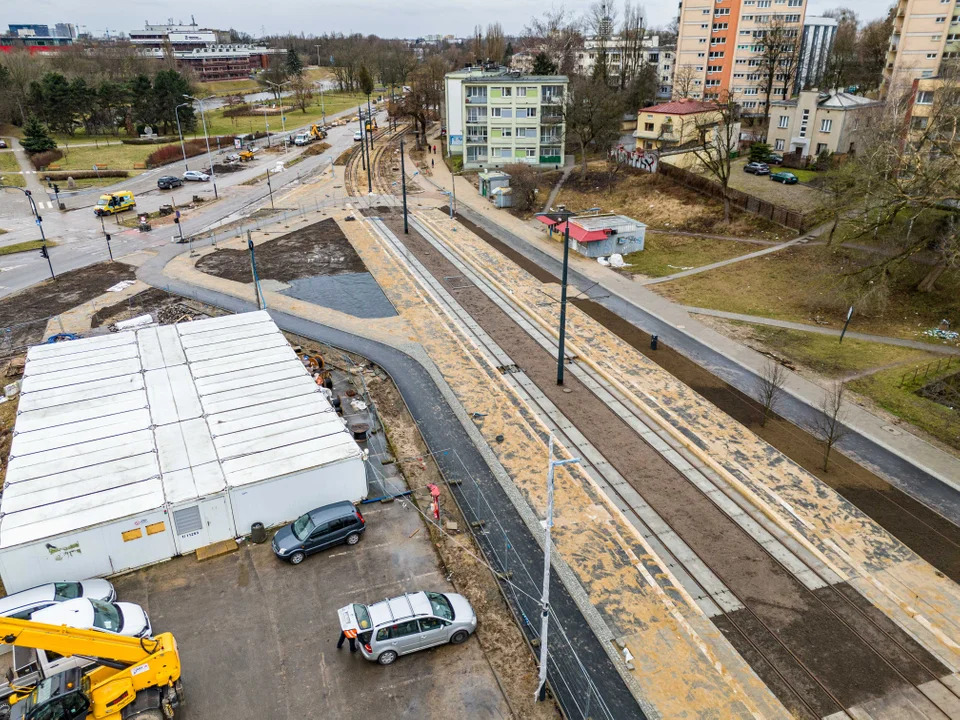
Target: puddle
[356,294]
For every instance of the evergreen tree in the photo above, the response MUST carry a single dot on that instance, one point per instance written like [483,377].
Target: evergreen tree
[542,65]
[54,101]
[35,137]
[294,63]
[759,152]
[365,81]
[169,89]
[141,100]
[508,53]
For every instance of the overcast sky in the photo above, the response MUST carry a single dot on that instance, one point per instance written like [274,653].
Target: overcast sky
[387,18]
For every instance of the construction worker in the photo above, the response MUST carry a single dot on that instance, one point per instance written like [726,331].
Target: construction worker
[348,634]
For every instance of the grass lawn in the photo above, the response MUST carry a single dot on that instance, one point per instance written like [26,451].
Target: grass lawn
[247,85]
[333,102]
[809,284]
[660,203]
[825,355]
[14,180]
[24,246]
[115,157]
[884,389]
[804,175]
[8,162]
[665,254]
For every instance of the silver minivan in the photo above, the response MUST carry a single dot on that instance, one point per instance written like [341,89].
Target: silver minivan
[410,622]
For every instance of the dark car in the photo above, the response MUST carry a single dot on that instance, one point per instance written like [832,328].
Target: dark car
[319,529]
[774,159]
[785,177]
[757,168]
[169,181]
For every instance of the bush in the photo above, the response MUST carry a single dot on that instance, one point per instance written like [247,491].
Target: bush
[523,186]
[41,160]
[759,152]
[150,141]
[172,153]
[80,174]
[237,111]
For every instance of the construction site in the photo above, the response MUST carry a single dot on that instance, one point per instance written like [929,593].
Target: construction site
[702,564]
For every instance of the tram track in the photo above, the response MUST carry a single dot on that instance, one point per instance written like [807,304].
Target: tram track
[792,665]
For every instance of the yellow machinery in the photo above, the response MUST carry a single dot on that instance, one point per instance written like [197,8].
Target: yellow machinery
[371,125]
[133,679]
[317,132]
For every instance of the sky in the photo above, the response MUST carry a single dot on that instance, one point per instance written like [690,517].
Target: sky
[387,18]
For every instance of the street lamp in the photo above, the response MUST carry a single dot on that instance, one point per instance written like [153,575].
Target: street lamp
[562,215]
[203,117]
[323,113]
[266,125]
[44,250]
[176,111]
[283,120]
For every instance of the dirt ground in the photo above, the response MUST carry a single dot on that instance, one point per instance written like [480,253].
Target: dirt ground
[318,249]
[26,312]
[166,307]
[8,416]
[661,204]
[924,531]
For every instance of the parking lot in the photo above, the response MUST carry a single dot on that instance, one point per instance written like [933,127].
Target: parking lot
[794,197]
[258,636]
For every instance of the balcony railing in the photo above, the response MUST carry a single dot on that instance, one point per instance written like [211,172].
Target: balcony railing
[479,139]
[477,100]
[477,158]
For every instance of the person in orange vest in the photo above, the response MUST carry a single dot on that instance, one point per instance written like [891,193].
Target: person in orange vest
[348,634]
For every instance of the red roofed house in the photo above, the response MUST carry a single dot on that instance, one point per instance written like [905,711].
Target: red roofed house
[602,235]
[675,124]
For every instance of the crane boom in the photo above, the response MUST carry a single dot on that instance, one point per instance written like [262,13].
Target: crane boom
[71,641]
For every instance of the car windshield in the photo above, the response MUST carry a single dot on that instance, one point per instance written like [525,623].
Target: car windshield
[66,591]
[302,527]
[441,606]
[106,616]
[363,617]
[102,202]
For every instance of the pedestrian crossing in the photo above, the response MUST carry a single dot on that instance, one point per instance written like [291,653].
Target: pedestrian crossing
[44,205]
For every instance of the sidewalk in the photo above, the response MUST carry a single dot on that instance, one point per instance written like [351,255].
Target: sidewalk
[918,453]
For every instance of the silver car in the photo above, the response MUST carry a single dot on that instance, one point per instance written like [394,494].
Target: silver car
[411,622]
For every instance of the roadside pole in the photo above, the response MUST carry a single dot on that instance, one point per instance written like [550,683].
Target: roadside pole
[563,299]
[261,301]
[270,189]
[541,693]
[846,324]
[403,183]
[363,158]
[183,149]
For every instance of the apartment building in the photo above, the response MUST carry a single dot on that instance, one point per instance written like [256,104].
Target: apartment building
[817,122]
[818,36]
[676,124]
[495,117]
[925,32]
[719,47]
[661,57]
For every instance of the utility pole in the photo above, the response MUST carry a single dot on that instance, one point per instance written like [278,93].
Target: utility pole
[203,118]
[323,113]
[541,693]
[183,149]
[270,189]
[403,183]
[44,250]
[562,215]
[846,324]
[261,300]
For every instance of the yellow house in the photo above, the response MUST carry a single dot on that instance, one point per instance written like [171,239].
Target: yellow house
[675,123]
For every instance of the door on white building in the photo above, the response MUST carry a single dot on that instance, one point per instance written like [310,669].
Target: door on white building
[203,523]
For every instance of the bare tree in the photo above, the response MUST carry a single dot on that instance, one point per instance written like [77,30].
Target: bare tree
[718,134]
[495,43]
[601,19]
[829,423]
[558,34]
[777,42]
[631,44]
[842,61]
[592,114]
[769,387]
[477,44]
[683,81]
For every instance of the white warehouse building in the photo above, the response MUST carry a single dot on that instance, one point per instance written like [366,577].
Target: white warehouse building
[134,447]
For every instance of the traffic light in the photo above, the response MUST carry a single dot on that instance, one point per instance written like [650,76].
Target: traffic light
[43,252]
[108,236]
[56,189]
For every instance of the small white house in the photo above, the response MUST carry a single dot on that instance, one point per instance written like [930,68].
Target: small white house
[134,447]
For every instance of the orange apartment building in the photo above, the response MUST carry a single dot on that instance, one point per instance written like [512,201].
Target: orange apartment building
[925,33]
[719,48]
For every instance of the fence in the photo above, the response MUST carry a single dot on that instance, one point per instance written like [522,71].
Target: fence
[782,216]
[934,367]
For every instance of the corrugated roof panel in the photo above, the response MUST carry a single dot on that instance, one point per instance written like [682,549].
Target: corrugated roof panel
[78,433]
[122,442]
[279,434]
[160,347]
[266,414]
[66,468]
[172,395]
[249,378]
[256,394]
[62,349]
[193,483]
[227,321]
[85,409]
[181,445]
[84,359]
[227,334]
[235,363]
[244,346]
[286,460]
[86,391]
[65,378]
[51,520]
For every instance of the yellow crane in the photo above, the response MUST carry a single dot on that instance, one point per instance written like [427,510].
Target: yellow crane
[132,678]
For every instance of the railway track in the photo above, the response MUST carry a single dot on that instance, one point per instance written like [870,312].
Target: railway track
[789,616]
[355,176]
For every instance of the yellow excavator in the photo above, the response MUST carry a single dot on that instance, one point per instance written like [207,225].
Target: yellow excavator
[129,679]
[317,132]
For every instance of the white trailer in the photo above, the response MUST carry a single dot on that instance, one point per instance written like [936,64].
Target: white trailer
[134,447]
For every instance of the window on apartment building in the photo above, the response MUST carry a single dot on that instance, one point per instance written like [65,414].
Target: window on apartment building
[941,19]
[919,123]
[794,3]
[697,83]
[717,54]
[700,55]
[931,56]
[476,91]
[722,11]
[718,41]
[714,68]
[699,68]
[737,88]
[504,131]
[924,97]
[648,127]
[717,27]
[506,91]
[501,112]
[779,144]
[926,74]
[751,91]
[784,121]
[705,26]
[702,41]
[749,2]
[526,132]
[749,105]
[791,18]
[745,32]
[713,83]
[529,152]
[706,11]
[763,3]
[821,148]
[521,92]
[475,114]
[935,38]
[738,76]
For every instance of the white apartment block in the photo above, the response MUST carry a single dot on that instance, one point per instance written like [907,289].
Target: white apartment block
[719,47]
[663,57]
[925,32]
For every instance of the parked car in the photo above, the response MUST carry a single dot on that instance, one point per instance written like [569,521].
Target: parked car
[357,136]
[408,623]
[233,157]
[774,159]
[85,614]
[319,529]
[196,176]
[757,168]
[3,144]
[24,603]
[786,178]
[169,181]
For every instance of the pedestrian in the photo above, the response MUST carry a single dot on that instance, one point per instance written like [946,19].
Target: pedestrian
[431,162]
[434,149]
[345,635]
